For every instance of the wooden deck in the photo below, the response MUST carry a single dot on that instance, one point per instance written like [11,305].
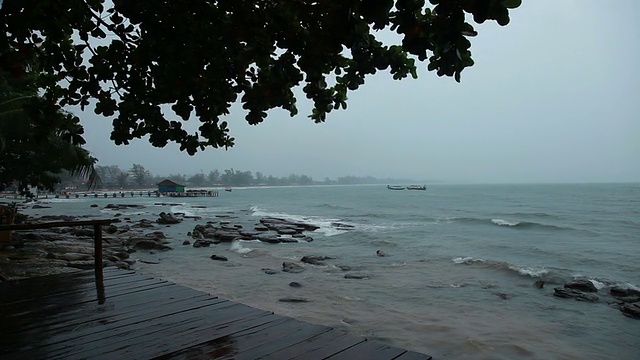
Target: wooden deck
[60,317]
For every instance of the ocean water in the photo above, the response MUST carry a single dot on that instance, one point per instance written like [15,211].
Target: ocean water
[457,281]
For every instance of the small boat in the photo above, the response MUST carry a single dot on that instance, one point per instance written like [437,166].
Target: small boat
[417,187]
[395,187]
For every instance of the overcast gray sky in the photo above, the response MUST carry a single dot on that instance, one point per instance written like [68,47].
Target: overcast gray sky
[553,97]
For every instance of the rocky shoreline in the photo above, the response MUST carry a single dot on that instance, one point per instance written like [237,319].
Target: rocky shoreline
[66,249]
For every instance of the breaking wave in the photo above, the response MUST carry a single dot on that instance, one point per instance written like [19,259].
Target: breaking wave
[538,272]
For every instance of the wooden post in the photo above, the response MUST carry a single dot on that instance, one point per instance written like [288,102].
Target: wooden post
[98,262]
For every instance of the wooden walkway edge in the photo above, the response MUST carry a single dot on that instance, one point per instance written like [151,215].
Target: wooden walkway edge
[60,317]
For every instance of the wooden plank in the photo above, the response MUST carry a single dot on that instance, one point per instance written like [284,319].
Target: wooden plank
[41,287]
[319,347]
[149,318]
[369,350]
[77,297]
[223,345]
[107,343]
[191,334]
[280,337]
[75,315]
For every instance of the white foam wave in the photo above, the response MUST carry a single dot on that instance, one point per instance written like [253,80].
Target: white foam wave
[466,260]
[326,225]
[529,271]
[598,284]
[501,222]
[236,246]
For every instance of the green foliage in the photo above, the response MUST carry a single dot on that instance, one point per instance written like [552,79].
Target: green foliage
[38,140]
[198,57]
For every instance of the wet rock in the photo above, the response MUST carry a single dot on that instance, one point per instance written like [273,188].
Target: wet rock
[623,292]
[294,300]
[539,284]
[344,267]
[226,236]
[83,264]
[280,223]
[582,285]
[578,295]
[315,260]
[269,271]
[219,257]
[111,229]
[356,276]
[150,262]
[288,240]
[167,218]
[261,228]
[631,310]
[36,206]
[503,296]
[292,267]
[295,284]
[270,239]
[186,242]
[342,226]
[94,205]
[202,243]
[81,231]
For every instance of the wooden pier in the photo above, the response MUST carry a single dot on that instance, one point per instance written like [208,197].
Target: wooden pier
[61,317]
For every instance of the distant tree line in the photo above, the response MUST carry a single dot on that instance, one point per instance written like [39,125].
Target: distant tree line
[113,177]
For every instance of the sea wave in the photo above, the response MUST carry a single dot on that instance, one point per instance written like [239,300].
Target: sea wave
[237,247]
[513,224]
[540,272]
[327,226]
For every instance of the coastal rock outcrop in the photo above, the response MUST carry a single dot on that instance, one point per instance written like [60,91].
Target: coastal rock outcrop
[167,219]
[292,267]
[631,310]
[582,285]
[569,293]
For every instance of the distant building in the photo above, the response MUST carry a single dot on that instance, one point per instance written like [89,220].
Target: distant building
[168,186]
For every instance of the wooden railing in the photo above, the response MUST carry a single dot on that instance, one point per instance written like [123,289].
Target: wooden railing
[97,243]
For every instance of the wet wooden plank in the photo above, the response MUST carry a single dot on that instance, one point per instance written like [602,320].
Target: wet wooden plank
[150,318]
[280,337]
[369,350]
[141,333]
[318,347]
[226,344]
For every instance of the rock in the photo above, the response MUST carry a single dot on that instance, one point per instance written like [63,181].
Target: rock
[84,265]
[218,257]
[201,243]
[81,231]
[36,206]
[631,310]
[261,228]
[621,292]
[344,267]
[380,253]
[226,236]
[269,271]
[356,276]
[294,300]
[295,284]
[342,226]
[578,295]
[314,259]
[582,285]
[167,218]
[270,239]
[288,240]
[150,262]
[111,229]
[94,205]
[74,257]
[539,284]
[186,242]
[274,223]
[502,296]
[292,267]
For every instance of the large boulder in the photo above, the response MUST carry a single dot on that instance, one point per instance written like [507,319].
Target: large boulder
[167,219]
[631,310]
[582,285]
[315,260]
[292,267]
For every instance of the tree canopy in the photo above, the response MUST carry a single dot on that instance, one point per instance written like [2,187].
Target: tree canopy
[38,140]
[153,65]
